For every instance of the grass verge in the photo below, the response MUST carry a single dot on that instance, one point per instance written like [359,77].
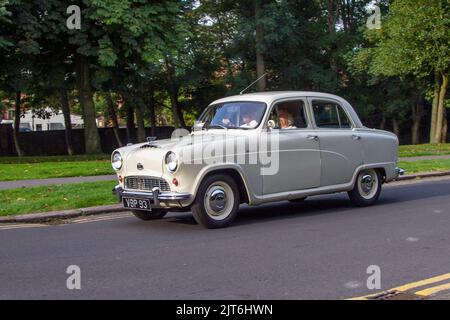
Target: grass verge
[425,165]
[424,150]
[45,170]
[56,197]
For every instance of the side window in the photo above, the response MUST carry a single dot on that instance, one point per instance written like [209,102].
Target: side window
[343,119]
[330,115]
[289,115]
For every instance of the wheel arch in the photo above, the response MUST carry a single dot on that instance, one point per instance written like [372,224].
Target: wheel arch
[235,174]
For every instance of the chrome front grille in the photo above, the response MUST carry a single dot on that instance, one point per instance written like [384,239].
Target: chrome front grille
[146,183]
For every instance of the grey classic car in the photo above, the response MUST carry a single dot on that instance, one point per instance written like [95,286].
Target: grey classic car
[257,148]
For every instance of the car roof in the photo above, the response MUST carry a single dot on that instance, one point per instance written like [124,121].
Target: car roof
[270,96]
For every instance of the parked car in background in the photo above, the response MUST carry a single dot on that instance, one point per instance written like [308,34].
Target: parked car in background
[317,145]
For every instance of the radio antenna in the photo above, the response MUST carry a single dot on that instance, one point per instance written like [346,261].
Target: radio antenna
[251,84]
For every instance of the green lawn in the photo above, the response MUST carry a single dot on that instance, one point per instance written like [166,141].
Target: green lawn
[425,165]
[424,150]
[43,170]
[56,197]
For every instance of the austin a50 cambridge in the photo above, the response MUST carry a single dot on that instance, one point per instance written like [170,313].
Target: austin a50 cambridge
[254,149]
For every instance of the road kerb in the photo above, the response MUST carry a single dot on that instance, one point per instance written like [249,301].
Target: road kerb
[59,215]
[68,214]
[423,175]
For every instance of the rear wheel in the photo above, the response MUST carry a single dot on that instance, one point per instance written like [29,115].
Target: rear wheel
[217,202]
[150,215]
[367,188]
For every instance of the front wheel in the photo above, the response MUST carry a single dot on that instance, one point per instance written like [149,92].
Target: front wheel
[217,202]
[150,215]
[367,188]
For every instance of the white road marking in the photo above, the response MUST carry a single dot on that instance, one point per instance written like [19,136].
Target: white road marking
[10,226]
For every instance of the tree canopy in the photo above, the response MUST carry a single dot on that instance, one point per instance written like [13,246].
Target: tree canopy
[144,63]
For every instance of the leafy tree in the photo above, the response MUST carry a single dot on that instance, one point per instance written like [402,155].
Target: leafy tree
[415,41]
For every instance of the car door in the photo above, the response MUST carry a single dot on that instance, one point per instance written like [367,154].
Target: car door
[299,151]
[340,145]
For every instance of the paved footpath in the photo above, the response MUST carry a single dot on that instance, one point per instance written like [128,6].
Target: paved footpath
[42,182]
[421,158]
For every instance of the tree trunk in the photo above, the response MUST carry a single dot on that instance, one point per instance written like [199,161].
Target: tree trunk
[130,123]
[259,37]
[91,135]
[333,10]
[151,109]
[140,123]
[113,117]
[173,95]
[396,127]
[67,121]
[16,131]
[441,110]
[445,127]
[383,123]
[417,113]
[434,108]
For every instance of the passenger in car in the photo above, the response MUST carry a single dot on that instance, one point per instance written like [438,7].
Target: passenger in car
[286,119]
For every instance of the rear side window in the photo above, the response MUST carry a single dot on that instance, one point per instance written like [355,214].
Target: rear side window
[330,115]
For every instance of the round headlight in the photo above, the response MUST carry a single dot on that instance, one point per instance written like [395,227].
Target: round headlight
[171,161]
[116,160]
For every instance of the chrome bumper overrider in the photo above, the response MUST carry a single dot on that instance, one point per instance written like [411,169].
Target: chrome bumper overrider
[155,195]
[399,171]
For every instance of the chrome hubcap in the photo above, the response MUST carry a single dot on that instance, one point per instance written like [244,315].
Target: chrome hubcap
[217,200]
[367,183]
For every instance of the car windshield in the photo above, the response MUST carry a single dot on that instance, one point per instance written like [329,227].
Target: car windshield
[233,115]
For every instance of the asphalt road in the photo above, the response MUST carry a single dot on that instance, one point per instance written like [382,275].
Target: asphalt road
[319,249]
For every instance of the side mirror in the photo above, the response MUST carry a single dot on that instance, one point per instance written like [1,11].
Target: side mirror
[271,124]
[197,126]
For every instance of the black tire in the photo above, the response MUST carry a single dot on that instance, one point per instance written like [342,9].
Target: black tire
[298,200]
[357,195]
[150,215]
[203,211]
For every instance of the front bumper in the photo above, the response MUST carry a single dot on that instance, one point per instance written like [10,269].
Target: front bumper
[156,197]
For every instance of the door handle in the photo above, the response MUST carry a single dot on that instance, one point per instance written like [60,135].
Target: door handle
[312,137]
[356,137]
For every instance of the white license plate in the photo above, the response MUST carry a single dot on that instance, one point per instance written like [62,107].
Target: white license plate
[135,203]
